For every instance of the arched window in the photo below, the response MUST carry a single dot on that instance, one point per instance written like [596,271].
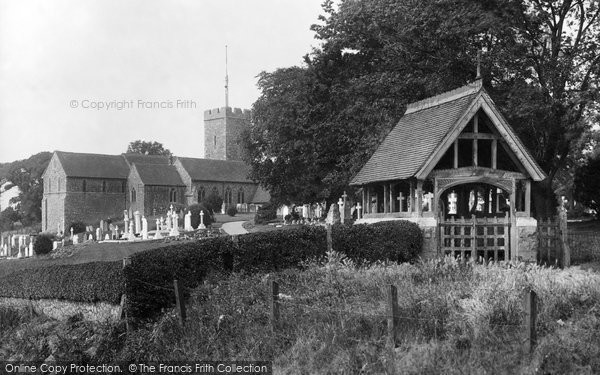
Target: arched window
[215,191]
[201,194]
[215,140]
[133,196]
[122,186]
[228,196]
[104,186]
[84,186]
[241,198]
[173,195]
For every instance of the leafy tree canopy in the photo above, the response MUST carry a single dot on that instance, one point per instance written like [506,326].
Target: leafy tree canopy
[27,176]
[315,126]
[147,148]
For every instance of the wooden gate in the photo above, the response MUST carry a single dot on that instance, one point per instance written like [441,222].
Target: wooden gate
[486,238]
[550,246]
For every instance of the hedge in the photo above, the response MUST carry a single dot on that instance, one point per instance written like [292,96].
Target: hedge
[149,277]
[398,241]
[151,273]
[280,249]
[86,282]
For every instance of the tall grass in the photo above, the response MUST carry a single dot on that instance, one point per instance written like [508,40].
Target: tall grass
[455,318]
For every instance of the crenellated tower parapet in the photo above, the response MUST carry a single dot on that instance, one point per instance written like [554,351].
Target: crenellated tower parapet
[222,129]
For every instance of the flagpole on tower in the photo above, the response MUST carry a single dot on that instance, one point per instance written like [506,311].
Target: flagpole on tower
[226,82]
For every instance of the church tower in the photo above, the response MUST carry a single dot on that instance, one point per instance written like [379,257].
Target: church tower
[222,129]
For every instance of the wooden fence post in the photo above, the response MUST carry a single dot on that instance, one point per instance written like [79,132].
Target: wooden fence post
[392,315]
[329,238]
[564,245]
[180,302]
[274,305]
[530,304]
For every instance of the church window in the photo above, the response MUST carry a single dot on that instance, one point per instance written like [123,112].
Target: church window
[173,195]
[215,140]
[104,186]
[122,186]
[241,196]
[201,194]
[84,186]
[228,196]
[133,196]
[215,191]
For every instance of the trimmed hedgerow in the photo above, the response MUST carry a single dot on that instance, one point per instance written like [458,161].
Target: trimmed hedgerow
[151,273]
[398,241]
[276,250]
[87,282]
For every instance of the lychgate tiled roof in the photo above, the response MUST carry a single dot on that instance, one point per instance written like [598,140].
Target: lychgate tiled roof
[159,174]
[416,136]
[216,170]
[77,164]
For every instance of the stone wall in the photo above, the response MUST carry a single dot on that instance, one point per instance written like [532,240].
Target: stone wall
[248,188]
[527,244]
[60,310]
[93,204]
[158,198]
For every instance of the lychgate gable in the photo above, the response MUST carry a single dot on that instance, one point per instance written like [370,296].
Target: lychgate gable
[453,157]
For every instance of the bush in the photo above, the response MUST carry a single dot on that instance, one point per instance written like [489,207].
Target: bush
[151,273]
[265,213]
[398,241]
[232,211]
[43,244]
[86,282]
[195,210]
[276,250]
[78,227]
[213,203]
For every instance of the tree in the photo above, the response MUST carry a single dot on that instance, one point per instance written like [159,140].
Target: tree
[147,148]
[27,176]
[213,203]
[540,64]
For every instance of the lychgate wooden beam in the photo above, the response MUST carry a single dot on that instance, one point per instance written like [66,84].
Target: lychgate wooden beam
[386,206]
[494,154]
[391,198]
[475,130]
[528,197]
[455,153]
[420,197]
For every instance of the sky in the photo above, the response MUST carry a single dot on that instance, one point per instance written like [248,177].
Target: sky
[94,75]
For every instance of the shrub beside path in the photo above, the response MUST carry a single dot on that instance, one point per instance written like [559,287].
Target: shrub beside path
[234,228]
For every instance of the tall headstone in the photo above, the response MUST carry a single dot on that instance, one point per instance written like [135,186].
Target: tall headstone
[107,237]
[98,234]
[175,228]
[187,222]
[333,216]
[126,224]
[71,233]
[138,221]
[131,236]
[75,238]
[30,248]
[144,228]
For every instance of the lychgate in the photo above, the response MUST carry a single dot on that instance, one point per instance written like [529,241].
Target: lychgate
[456,167]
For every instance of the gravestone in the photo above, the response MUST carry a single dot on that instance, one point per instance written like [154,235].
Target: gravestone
[175,229]
[333,216]
[131,236]
[187,222]
[201,226]
[98,234]
[107,237]
[138,221]
[144,228]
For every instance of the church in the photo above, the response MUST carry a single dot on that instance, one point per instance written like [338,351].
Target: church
[93,187]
